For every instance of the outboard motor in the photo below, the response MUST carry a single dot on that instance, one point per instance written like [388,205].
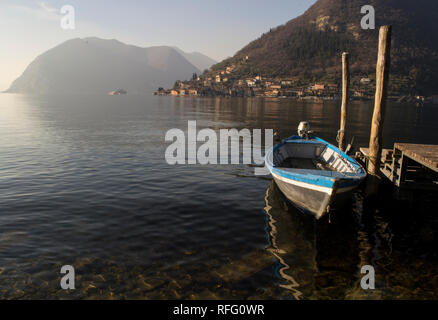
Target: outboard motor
[304,130]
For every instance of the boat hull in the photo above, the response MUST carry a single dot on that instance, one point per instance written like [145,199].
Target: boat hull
[313,174]
[311,200]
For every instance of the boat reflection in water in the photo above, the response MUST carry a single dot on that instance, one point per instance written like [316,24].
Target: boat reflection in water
[317,259]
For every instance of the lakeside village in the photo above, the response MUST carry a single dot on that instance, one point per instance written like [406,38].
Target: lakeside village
[223,83]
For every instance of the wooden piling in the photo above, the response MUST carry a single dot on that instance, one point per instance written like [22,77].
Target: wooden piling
[382,77]
[345,87]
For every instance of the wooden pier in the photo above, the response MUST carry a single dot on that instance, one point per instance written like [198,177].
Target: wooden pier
[413,166]
[407,166]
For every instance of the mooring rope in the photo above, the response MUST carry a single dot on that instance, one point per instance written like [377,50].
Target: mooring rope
[338,134]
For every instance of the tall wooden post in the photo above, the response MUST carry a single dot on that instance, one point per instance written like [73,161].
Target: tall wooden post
[382,77]
[345,87]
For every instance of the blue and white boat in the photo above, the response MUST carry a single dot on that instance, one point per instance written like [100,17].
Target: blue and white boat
[312,173]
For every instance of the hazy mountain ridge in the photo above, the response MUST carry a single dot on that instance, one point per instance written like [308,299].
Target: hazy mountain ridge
[309,47]
[199,60]
[93,65]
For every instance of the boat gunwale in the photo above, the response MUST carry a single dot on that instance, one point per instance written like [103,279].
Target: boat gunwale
[314,177]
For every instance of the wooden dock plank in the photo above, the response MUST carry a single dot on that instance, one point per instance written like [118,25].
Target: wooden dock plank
[401,173]
[385,152]
[422,153]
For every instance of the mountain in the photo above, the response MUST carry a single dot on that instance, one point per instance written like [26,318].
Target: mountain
[94,65]
[199,60]
[309,47]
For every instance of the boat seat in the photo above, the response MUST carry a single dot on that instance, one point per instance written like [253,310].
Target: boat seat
[335,161]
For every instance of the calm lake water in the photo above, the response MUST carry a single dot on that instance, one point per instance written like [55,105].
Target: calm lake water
[84,182]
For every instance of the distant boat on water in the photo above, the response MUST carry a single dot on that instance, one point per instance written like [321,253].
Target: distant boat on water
[117,92]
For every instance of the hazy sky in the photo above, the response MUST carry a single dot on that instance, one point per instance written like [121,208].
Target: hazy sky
[217,28]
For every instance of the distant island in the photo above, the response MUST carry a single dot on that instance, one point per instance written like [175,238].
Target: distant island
[96,66]
[302,58]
